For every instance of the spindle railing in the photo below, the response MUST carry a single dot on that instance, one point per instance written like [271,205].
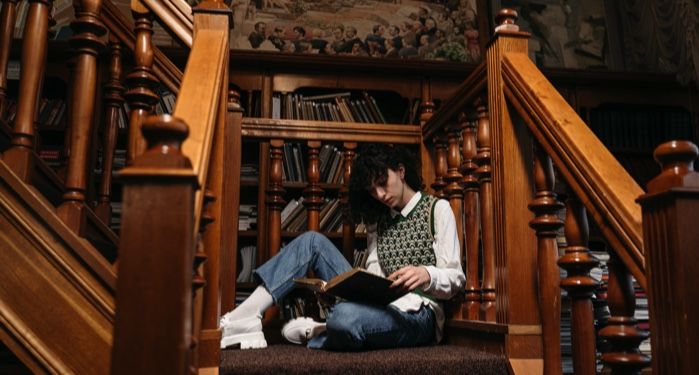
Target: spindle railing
[507,178]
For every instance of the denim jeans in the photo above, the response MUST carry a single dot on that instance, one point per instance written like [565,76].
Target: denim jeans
[350,325]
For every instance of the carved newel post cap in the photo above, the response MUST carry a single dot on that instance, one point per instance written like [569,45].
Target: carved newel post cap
[506,20]
[677,161]
[164,135]
[165,132]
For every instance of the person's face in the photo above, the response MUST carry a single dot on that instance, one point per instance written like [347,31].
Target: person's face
[390,190]
[337,33]
[349,33]
[261,28]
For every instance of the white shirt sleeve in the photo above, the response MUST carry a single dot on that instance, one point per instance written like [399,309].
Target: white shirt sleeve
[372,260]
[447,276]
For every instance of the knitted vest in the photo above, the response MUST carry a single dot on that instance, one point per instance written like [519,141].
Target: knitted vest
[404,241]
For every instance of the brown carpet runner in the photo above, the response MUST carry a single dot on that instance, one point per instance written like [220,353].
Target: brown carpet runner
[295,359]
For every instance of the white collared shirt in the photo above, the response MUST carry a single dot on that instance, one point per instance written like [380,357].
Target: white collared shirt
[446,277]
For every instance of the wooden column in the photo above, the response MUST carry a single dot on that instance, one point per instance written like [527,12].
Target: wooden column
[671,243]
[546,223]
[113,101]
[472,303]
[155,256]
[426,112]
[20,156]
[230,201]
[314,194]
[621,331]
[578,262]
[440,166]
[348,225]
[453,190]
[7,29]
[484,174]
[141,81]
[275,197]
[87,42]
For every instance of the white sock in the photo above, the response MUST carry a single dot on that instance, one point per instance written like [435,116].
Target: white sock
[253,306]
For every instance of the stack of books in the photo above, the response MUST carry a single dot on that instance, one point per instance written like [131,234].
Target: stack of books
[247,217]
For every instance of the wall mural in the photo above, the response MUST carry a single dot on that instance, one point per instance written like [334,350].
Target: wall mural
[398,29]
[565,33]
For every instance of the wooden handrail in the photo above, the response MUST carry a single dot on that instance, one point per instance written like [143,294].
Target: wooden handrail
[175,15]
[464,96]
[593,173]
[122,28]
[198,100]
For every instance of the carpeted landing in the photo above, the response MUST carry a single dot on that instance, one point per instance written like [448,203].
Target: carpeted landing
[296,359]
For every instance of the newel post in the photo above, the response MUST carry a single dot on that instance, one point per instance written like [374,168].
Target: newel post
[156,251]
[515,245]
[671,244]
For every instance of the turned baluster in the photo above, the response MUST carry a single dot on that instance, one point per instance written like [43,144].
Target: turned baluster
[453,190]
[19,157]
[141,81]
[426,105]
[88,29]
[313,193]
[348,227]
[621,330]
[7,29]
[485,180]
[440,166]
[577,261]
[671,247]
[275,197]
[113,101]
[472,297]
[546,223]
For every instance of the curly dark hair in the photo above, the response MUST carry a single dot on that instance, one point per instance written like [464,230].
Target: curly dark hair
[371,166]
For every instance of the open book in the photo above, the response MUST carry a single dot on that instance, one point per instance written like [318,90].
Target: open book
[355,285]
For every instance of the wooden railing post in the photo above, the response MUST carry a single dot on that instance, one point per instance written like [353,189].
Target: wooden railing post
[453,190]
[155,266]
[671,243]
[348,227]
[275,197]
[141,81]
[485,181]
[472,297]
[515,244]
[440,166]
[621,331]
[20,156]
[313,193]
[230,201]
[7,29]
[113,101]
[578,262]
[546,224]
[86,42]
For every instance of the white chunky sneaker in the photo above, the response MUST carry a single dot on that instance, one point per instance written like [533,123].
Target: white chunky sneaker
[302,329]
[246,332]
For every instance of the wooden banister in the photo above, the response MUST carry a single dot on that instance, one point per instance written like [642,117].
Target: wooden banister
[7,24]
[593,173]
[176,15]
[200,91]
[122,29]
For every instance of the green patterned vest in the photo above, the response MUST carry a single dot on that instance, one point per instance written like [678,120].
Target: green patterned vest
[404,241]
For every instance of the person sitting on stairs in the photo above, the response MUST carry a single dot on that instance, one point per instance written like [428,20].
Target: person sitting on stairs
[411,237]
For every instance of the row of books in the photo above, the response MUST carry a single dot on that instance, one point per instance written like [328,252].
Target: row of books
[338,107]
[640,129]
[329,160]
[247,262]
[50,114]
[249,171]
[247,217]
[302,306]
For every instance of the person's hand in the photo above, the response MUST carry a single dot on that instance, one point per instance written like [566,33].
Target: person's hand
[409,278]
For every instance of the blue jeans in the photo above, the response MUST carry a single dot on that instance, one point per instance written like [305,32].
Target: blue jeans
[350,325]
